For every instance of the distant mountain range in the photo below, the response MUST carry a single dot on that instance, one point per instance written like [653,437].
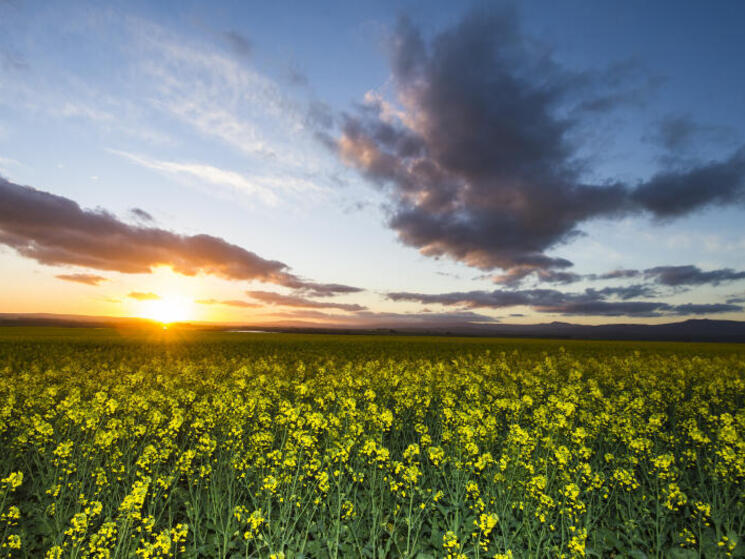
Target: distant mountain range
[71,320]
[702,330]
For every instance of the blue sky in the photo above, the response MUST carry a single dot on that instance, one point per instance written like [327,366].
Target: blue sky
[247,122]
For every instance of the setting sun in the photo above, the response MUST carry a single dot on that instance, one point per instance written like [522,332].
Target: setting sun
[167,309]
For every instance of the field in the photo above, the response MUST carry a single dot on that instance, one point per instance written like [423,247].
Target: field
[161,444]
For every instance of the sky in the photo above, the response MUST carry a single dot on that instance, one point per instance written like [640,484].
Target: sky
[373,163]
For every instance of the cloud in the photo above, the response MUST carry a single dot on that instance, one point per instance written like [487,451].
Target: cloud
[622,83]
[496,299]
[674,276]
[475,156]
[224,98]
[140,296]
[272,298]
[229,303]
[87,112]
[12,61]
[7,162]
[691,308]
[678,133]
[691,275]
[239,43]
[296,77]
[88,279]
[55,230]
[204,173]
[515,276]
[637,308]
[319,116]
[666,275]
[678,192]
[626,292]
[591,302]
[312,289]
[617,274]
[604,308]
[142,215]
[369,319]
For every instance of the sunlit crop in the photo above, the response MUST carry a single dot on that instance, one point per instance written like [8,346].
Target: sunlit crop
[240,445]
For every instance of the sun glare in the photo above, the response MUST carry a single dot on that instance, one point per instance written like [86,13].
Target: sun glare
[167,310]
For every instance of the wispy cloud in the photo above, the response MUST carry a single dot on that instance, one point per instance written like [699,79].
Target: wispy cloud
[205,173]
[371,319]
[680,132]
[141,215]
[229,303]
[67,97]
[180,83]
[6,163]
[9,161]
[80,110]
[591,302]
[692,275]
[240,44]
[314,289]
[143,296]
[87,279]
[676,276]
[272,298]
[223,98]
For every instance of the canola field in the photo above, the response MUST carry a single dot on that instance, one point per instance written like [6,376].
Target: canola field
[232,445]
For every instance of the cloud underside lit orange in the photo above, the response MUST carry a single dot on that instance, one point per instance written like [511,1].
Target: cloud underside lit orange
[54,230]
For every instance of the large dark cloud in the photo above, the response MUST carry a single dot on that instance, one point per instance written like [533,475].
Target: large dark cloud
[55,230]
[477,161]
[591,302]
[272,298]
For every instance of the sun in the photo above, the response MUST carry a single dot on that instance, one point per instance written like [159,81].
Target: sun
[167,310]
